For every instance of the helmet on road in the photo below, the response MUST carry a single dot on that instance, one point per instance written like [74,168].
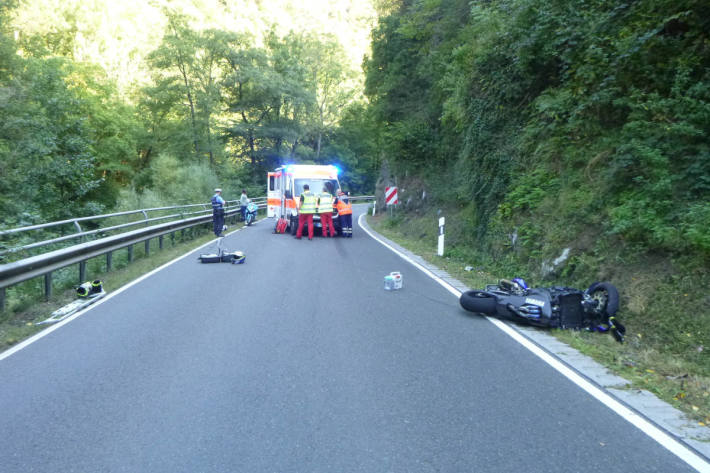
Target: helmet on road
[239,257]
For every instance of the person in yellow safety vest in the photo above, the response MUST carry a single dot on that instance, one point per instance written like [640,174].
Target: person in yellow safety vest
[325,209]
[345,214]
[306,211]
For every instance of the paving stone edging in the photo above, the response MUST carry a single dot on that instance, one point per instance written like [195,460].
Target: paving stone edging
[667,417]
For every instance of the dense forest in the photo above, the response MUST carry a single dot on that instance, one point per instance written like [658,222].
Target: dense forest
[541,126]
[591,113]
[113,105]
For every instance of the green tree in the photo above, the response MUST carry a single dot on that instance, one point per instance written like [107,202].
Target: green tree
[175,59]
[332,82]
[45,146]
[269,94]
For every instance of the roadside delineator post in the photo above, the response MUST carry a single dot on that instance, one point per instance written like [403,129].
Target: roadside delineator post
[440,249]
[391,198]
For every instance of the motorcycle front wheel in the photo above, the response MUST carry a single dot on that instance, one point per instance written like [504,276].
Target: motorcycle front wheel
[607,297]
[478,301]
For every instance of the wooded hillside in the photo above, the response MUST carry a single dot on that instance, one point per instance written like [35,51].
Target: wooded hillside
[132,104]
[591,113]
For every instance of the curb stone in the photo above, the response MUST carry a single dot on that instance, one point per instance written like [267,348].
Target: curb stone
[644,402]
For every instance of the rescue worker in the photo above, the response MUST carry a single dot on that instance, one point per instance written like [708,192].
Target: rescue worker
[305,213]
[325,210]
[217,212]
[345,214]
[243,202]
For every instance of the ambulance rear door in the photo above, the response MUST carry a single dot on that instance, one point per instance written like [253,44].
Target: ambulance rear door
[274,194]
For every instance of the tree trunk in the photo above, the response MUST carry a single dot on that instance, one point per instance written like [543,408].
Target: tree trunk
[192,116]
[209,143]
[252,151]
[320,132]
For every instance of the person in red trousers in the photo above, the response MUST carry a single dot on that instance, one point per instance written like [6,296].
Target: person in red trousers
[325,209]
[306,211]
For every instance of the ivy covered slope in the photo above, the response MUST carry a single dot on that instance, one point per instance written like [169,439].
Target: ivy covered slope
[545,125]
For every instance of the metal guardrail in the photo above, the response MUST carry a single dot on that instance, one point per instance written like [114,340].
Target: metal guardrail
[44,264]
[361,198]
[205,209]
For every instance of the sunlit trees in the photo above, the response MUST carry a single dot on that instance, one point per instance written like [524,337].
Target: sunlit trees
[48,164]
[96,96]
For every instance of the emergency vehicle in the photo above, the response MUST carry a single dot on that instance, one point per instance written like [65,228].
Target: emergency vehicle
[285,185]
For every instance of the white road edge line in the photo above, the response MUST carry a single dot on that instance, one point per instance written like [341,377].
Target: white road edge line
[673,445]
[52,328]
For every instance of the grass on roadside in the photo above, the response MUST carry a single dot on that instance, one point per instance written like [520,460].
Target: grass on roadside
[26,304]
[680,382]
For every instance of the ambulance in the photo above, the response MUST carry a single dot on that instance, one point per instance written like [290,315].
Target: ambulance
[285,185]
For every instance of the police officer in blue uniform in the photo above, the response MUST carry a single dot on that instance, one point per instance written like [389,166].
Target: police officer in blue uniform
[217,212]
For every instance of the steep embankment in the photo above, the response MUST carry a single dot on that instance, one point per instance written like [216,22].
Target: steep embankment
[583,126]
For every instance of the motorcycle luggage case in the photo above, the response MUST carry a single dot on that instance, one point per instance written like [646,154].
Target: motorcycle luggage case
[210,258]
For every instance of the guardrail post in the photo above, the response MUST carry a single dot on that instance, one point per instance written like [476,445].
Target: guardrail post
[109,261]
[172,238]
[2,299]
[78,229]
[130,253]
[82,272]
[47,286]
[160,242]
[147,247]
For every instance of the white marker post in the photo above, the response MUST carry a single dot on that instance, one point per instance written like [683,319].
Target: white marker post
[374,206]
[440,250]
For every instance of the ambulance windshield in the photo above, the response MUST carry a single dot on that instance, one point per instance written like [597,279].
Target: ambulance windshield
[316,186]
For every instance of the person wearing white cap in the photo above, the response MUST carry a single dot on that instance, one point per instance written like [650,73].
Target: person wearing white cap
[217,212]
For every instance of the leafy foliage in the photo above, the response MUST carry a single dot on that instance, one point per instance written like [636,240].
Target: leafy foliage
[95,108]
[600,99]
[45,145]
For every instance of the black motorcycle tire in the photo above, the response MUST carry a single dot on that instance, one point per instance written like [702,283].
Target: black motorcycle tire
[294,225]
[612,296]
[481,302]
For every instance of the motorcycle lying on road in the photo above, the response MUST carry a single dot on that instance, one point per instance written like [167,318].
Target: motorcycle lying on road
[250,214]
[553,307]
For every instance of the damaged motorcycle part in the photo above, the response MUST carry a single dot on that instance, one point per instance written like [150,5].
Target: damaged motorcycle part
[607,297]
[478,301]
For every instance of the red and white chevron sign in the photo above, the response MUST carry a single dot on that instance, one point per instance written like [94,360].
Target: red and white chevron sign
[391,196]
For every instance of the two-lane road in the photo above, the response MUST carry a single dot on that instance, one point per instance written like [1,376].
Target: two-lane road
[299,361]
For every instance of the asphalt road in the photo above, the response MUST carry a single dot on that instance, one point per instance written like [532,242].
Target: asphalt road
[299,361]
